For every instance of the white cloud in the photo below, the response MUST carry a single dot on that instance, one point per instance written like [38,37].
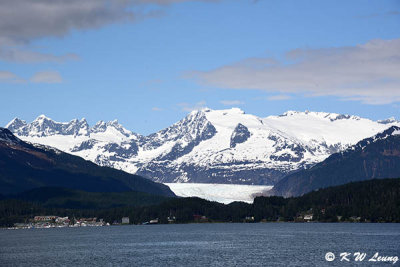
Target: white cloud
[279,97]
[231,102]
[9,77]
[39,77]
[190,107]
[167,2]
[23,21]
[156,109]
[369,73]
[46,77]
[13,54]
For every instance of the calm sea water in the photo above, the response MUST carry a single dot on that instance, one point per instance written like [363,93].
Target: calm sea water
[268,244]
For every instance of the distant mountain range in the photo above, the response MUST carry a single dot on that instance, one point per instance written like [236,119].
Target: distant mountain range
[26,166]
[209,146]
[372,158]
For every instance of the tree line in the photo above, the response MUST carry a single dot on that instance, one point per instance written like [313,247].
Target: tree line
[368,201]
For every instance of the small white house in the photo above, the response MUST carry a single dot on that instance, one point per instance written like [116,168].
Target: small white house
[125,220]
[308,217]
[154,221]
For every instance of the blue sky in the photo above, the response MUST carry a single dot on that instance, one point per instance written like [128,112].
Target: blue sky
[148,72]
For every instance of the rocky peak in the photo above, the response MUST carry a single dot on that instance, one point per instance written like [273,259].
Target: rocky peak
[15,124]
[194,126]
[325,115]
[388,121]
[239,135]
[44,126]
[101,127]
[76,127]
[391,131]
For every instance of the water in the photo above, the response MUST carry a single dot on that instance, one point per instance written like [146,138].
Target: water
[268,244]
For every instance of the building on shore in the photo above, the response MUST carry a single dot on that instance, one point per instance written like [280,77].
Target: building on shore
[45,218]
[308,217]
[154,221]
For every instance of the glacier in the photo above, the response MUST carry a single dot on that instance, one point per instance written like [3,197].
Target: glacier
[223,193]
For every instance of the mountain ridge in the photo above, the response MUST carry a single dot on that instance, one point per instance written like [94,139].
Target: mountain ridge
[209,146]
[25,166]
[376,157]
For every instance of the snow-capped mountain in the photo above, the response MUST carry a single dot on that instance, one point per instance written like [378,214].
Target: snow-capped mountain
[209,146]
[376,157]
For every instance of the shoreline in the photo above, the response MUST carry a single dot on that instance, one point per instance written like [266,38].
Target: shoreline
[193,223]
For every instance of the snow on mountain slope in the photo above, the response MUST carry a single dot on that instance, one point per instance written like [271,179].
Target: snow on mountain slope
[209,146]
[223,193]
[321,127]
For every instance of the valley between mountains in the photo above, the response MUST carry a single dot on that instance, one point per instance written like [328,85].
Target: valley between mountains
[225,156]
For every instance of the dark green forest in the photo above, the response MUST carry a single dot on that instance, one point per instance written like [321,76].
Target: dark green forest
[367,201]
